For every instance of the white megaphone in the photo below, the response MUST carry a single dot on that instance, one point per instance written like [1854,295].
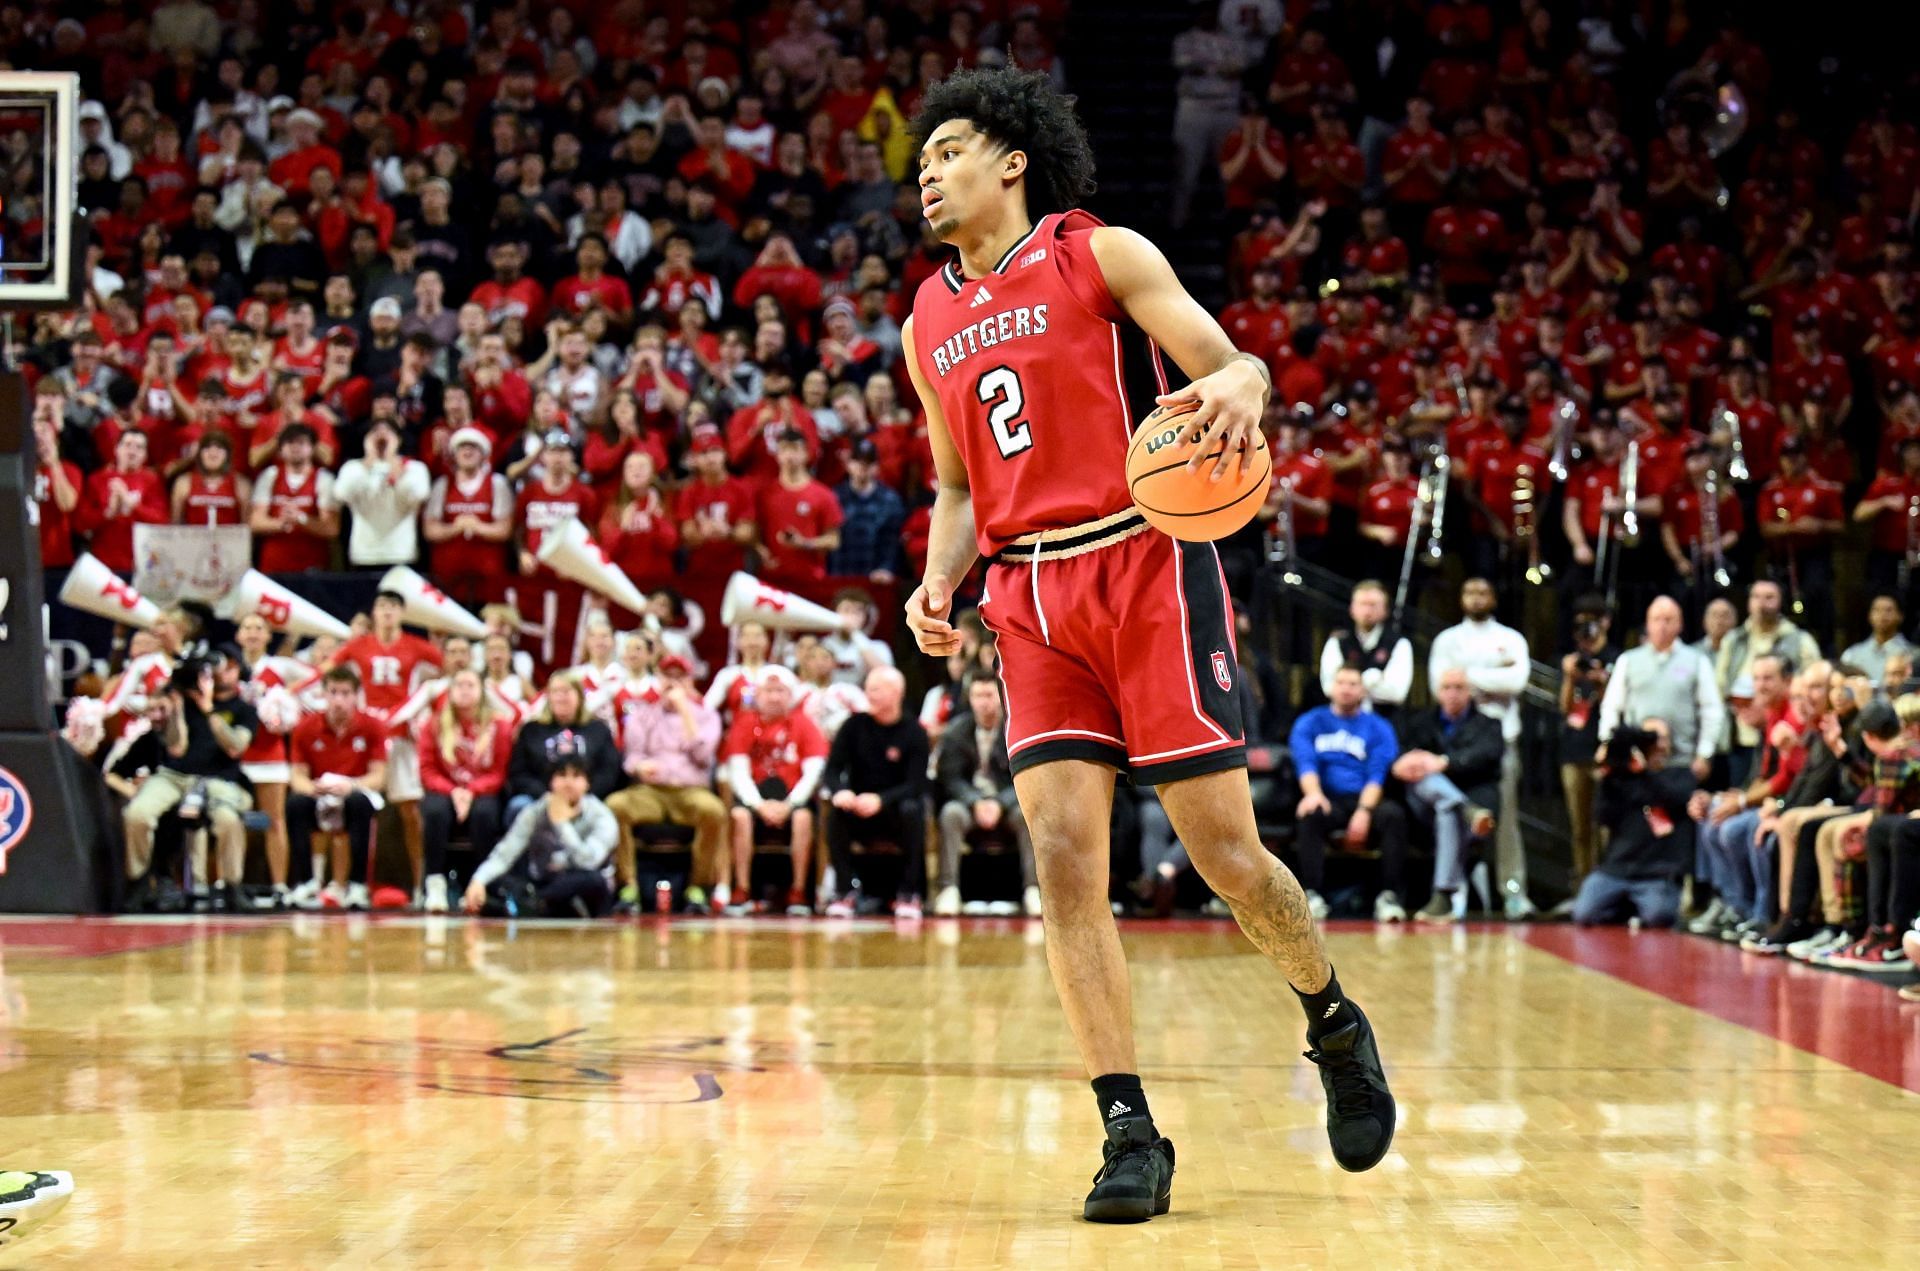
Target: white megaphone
[429,607]
[283,610]
[92,588]
[749,600]
[569,551]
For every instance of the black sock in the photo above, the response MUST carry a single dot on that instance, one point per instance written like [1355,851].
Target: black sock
[1120,1098]
[1324,1013]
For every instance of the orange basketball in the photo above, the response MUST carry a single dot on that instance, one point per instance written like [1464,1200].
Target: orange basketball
[1192,505]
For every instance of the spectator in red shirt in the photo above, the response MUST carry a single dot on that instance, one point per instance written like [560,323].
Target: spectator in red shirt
[1890,504]
[56,483]
[730,173]
[715,511]
[754,432]
[1329,167]
[675,281]
[294,515]
[339,766]
[779,272]
[799,518]
[635,531]
[290,409]
[591,285]
[118,498]
[1253,160]
[1417,166]
[465,746]
[509,293]
[1258,324]
[1800,517]
[1468,239]
[772,759]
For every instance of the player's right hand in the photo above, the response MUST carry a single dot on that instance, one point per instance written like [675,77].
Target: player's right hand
[927,611]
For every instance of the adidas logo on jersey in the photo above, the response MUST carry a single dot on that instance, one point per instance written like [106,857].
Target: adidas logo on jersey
[981,297]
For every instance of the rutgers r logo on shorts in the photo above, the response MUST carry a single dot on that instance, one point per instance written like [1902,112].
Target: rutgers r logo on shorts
[16,814]
[1222,671]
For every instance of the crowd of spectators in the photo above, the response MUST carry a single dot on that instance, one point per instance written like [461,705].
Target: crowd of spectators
[415,287]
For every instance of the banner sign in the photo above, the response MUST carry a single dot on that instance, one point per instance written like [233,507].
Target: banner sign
[190,562]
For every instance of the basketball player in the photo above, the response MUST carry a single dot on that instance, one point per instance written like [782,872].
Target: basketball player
[1116,641]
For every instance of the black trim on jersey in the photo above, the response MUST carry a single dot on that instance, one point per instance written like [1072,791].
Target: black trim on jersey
[1160,774]
[1024,240]
[1015,555]
[1070,748]
[950,274]
[1208,619]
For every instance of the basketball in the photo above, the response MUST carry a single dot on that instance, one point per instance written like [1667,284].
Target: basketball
[1191,505]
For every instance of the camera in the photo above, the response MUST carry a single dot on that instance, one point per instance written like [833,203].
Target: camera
[1628,749]
[186,675]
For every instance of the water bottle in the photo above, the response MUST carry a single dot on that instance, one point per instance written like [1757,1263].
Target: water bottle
[663,897]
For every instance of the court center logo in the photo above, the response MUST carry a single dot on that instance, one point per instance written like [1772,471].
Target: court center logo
[16,814]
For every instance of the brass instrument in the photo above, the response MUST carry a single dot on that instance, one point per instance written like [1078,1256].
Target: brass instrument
[1460,391]
[1560,465]
[1283,548]
[1737,459]
[1606,564]
[1709,549]
[1910,561]
[1526,529]
[1799,606]
[1423,502]
[1630,495]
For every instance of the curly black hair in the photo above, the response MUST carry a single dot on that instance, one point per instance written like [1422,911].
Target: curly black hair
[1019,110]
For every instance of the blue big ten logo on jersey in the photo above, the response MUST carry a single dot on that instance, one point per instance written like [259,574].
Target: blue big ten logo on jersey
[976,337]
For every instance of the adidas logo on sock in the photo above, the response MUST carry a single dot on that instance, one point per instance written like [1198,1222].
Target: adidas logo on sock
[1117,1109]
[1331,1010]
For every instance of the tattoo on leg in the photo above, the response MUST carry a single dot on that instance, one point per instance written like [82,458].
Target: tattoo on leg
[1276,918]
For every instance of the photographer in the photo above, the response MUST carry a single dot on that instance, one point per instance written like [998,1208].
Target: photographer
[1642,802]
[1584,674]
[200,776]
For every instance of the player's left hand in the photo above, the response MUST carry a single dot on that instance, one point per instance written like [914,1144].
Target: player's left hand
[1231,403]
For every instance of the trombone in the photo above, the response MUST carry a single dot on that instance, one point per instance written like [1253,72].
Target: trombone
[1606,565]
[1737,460]
[1709,548]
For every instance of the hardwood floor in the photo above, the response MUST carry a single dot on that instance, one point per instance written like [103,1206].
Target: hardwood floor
[322,1092]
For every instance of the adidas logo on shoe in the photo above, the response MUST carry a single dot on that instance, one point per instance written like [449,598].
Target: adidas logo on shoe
[1118,1109]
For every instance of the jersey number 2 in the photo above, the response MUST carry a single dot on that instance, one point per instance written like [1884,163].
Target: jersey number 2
[1000,388]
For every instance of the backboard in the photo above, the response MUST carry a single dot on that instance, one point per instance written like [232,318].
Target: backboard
[42,259]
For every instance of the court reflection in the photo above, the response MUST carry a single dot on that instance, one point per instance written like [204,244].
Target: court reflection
[714,1092]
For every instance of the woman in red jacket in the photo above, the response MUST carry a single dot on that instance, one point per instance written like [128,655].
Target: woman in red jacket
[464,748]
[636,531]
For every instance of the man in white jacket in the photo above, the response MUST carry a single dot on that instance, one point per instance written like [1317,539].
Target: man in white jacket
[1497,664]
[384,490]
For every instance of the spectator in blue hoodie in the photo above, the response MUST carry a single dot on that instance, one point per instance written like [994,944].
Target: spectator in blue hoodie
[1343,753]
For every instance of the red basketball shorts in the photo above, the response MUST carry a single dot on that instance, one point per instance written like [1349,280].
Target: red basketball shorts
[1116,645]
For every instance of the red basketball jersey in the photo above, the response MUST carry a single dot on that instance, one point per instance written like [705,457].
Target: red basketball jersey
[1040,377]
[388,671]
[211,501]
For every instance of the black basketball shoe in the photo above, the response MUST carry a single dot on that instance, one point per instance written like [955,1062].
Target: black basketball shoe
[1136,1181]
[1360,1109]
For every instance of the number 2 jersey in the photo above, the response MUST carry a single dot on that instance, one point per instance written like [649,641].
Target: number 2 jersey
[1040,377]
